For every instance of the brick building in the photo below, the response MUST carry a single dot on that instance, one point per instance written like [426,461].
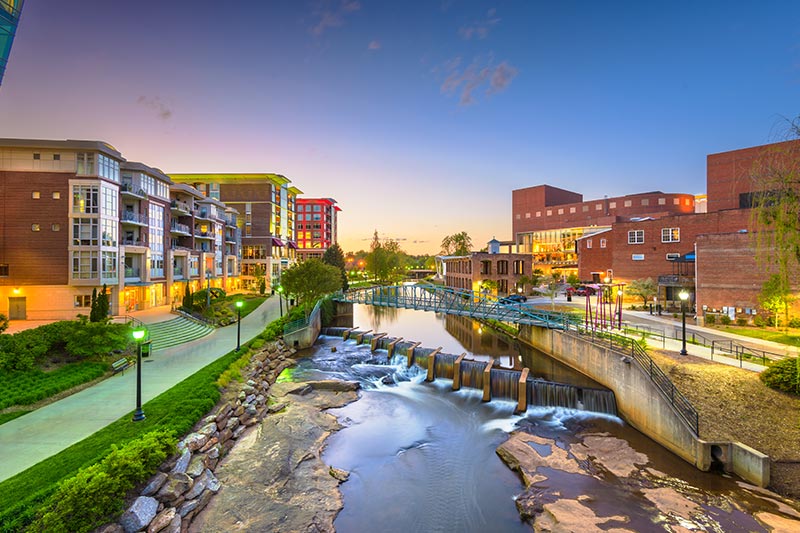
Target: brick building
[266,207]
[317,226]
[76,216]
[469,272]
[547,221]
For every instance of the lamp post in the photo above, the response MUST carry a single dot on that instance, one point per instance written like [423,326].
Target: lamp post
[239,305]
[619,295]
[208,288]
[683,295]
[280,298]
[138,336]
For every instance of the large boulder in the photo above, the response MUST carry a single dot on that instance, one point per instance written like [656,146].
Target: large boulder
[139,514]
[177,484]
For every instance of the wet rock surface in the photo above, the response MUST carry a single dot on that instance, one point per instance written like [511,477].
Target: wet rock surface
[273,479]
[626,493]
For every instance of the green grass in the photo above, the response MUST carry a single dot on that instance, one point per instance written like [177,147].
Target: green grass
[28,387]
[177,409]
[251,302]
[8,417]
[792,338]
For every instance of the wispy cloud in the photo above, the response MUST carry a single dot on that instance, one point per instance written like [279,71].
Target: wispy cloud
[155,104]
[481,28]
[374,45]
[330,14]
[481,74]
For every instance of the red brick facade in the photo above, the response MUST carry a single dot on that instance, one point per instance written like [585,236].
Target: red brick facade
[505,269]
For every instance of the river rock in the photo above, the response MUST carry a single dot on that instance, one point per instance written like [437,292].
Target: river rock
[139,514]
[162,520]
[196,465]
[174,526]
[206,480]
[175,486]
[210,444]
[208,429]
[195,441]
[154,484]
[183,462]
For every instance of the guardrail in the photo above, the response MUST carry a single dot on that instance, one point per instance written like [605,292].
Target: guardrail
[301,323]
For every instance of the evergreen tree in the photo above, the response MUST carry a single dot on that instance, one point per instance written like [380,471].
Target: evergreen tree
[93,309]
[334,256]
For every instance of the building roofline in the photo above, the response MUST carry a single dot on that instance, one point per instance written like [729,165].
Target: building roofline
[69,144]
[277,179]
[188,189]
[141,167]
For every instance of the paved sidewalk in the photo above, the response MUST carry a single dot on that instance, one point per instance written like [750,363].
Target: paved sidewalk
[36,436]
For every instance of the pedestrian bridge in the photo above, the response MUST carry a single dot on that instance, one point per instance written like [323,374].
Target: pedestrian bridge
[454,302]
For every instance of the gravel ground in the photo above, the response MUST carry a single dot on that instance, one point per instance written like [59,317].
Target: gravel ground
[735,405]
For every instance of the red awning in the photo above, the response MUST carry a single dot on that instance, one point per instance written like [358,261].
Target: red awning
[292,245]
[277,242]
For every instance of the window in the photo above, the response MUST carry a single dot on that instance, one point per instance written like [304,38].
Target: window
[670,234]
[598,207]
[585,208]
[636,236]
[560,211]
[36,227]
[83,300]
[4,270]
[85,199]
[55,227]
[515,216]
[588,243]
[35,195]
[549,212]
[602,243]
[612,205]
[519,267]
[56,195]
[673,256]
[662,201]
[645,201]
[37,157]
[56,157]
[538,214]
[637,257]
[85,164]
[628,203]
[686,201]
[571,210]
[84,265]
[676,201]
[502,267]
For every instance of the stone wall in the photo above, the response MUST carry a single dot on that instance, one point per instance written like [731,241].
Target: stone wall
[185,483]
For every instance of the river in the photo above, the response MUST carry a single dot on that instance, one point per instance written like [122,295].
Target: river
[422,457]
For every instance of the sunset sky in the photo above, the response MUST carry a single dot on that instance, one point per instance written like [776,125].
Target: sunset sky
[418,117]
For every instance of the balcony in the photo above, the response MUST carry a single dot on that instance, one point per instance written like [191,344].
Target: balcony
[180,208]
[202,213]
[180,229]
[136,219]
[204,234]
[133,242]
[230,221]
[128,188]
[177,273]
[131,273]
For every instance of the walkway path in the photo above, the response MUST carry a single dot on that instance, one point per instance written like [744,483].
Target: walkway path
[36,436]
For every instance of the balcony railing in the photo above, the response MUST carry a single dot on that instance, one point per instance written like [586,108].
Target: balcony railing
[131,272]
[133,242]
[134,218]
[129,187]
[203,234]
[180,228]
[181,207]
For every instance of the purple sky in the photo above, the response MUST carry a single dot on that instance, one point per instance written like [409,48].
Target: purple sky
[420,118]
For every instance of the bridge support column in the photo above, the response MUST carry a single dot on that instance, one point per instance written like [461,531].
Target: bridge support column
[487,380]
[411,353]
[457,372]
[522,398]
[391,346]
[432,364]
[375,339]
[360,336]
[346,333]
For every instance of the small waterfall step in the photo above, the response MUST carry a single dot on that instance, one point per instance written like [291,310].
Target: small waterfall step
[177,331]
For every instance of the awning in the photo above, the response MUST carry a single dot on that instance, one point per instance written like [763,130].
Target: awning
[292,245]
[277,242]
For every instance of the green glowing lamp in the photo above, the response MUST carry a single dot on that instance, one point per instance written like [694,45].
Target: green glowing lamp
[138,334]
[239,304]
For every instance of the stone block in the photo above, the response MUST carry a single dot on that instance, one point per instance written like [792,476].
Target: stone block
[139,514]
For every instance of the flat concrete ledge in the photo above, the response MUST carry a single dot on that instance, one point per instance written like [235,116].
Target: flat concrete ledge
[749,464]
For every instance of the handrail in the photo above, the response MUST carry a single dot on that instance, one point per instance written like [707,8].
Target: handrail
[301,323]
[740,351]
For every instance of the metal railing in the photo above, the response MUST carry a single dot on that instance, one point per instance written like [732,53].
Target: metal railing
[741,352]
[301,323]
[127,216]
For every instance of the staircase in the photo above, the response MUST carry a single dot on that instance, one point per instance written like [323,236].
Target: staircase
[176,331]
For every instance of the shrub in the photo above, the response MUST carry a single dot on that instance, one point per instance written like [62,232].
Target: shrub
[3,322]
[725,320]
[96,494]
[759,321]
[741,321]
[783,375]
[97,338]
[794,322]
[711,320]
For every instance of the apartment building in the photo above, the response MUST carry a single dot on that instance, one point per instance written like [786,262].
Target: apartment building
[547,221]
[76,216]
[266,207]
[317,226]
[10,11]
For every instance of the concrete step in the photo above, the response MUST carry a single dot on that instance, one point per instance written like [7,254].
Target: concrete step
[177,331]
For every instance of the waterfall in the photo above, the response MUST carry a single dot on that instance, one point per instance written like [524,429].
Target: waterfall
[505,384]
[444,366]
[549,394]
[472,374]
[599,401]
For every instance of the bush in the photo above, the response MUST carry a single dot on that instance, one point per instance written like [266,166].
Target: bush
[711,320]
[725,320]
[741,321]
[783,376]
[794,322]
[759,321]
[96,494]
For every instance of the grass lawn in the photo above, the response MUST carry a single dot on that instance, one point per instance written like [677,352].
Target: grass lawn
[29,387]
[251,302]
[792,337]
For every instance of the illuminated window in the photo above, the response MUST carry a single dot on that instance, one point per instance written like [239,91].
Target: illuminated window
[670,234]
[36,227]
[35,195]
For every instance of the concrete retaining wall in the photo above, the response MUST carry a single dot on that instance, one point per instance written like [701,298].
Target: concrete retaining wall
[305,337]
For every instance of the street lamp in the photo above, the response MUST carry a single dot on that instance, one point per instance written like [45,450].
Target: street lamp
[208,288]
[138,336]
[280,298]
[239,305]
[619,295]
[683,295]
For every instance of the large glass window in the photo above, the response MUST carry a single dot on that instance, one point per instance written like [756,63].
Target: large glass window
[85,231]
[156,243]
[110,199]
[110,228]
[109,260]
[85,199]
[85,164]
[108,168]
[84,265]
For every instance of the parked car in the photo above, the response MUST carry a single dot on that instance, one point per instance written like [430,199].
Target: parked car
[514,299]
[583,290]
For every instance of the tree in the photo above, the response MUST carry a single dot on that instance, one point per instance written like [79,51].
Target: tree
[188,299]
[103,304]
[334,256]
[643,288]
[776,297]
[311,279]
[93,307]
[488,286]
[457,244]
[573,280]
[3,322]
